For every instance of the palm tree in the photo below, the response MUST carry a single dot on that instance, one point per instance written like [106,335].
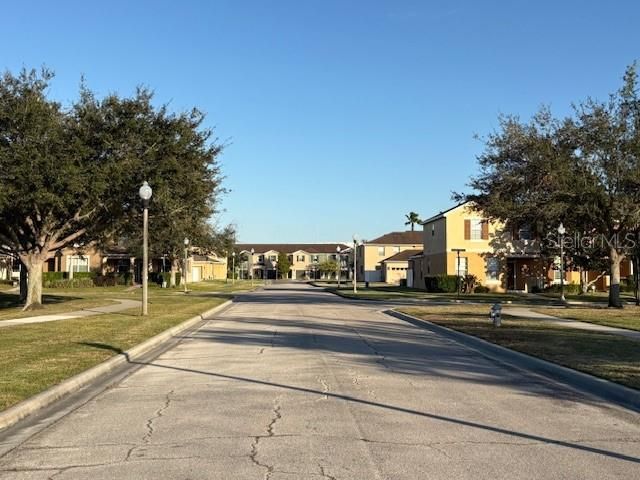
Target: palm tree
[412,219]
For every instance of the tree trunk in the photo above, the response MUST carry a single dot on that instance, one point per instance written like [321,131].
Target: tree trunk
[174,270]
[614,285]
[584,280]
[34,263]
[23,282]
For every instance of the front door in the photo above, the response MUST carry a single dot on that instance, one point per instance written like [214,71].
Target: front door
[511,274]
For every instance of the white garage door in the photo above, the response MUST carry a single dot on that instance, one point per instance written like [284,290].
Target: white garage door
[196,274]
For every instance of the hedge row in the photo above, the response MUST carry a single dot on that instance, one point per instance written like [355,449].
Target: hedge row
[441,283]
[91,279]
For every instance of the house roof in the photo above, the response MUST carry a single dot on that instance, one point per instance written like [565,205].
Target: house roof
[398,238]
[292,247]
[441,214]
[402,256]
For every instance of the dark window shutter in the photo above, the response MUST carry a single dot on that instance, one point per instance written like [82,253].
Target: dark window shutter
[467,229]
[485,230]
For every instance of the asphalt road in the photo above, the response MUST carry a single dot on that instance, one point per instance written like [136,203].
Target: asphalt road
[295,383]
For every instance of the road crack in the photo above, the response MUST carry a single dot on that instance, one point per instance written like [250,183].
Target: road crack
[253,455]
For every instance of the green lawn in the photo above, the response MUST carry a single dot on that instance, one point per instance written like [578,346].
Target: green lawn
[597,297]
[608,356]
[10,306]
[37,356]
[627,317]
[223,286]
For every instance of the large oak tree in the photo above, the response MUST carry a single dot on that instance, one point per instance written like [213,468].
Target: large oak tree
[583,170]
[71,175]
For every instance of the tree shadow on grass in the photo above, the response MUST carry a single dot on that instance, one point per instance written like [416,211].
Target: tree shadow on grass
[12,300]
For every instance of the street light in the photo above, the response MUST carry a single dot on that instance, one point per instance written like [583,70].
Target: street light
[458,250]
[186,247]
[339,263]
[233,268]
[355,263]
[561,231]
[145,193]
[251,272]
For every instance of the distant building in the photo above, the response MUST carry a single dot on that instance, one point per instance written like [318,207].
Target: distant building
[372,254]
[304,259]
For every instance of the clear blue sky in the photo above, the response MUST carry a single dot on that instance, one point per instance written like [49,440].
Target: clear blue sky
[341,116]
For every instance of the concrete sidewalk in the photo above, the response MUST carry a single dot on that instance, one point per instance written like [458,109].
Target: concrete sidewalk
[118,307]
[526,313]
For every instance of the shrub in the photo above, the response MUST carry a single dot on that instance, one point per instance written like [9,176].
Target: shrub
[52,276]
[536,289]
[159,277]
[105,281]
[481,289]
[84,275]
[569,289]
[628,285]
[468,283]
[441,283]
[69,283]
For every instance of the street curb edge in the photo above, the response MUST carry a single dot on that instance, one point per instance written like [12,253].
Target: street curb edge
[43,399]
[612,392]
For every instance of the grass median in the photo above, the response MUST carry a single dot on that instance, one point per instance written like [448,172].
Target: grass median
[607,356]
[38,356]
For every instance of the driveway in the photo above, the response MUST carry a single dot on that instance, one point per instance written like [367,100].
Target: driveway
[294,383]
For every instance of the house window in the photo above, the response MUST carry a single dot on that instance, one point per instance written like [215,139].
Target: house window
[300,258]
[273,258]
[476,229]
[524,233]
[433,230]
[78,263]
[381,251]
[260,258]
[315,258]
[396,249]
[462,266]
[493,268]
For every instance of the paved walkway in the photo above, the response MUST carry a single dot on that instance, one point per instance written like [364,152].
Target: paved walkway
[518,311]
[522,312]
[293,383]
[118,307]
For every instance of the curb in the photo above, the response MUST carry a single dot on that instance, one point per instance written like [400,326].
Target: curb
[604,389]
[43,399]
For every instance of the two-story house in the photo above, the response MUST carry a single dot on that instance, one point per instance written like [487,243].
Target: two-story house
[372,254]
[459,241]
[304,259]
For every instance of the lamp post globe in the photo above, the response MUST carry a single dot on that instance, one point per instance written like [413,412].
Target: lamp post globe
[145,193]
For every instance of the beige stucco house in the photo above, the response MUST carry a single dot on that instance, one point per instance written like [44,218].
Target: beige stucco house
[259,260]
[396,267]
[371,254]
[461,241]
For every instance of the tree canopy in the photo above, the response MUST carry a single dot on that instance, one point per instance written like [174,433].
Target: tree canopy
[582,170]
[71,175]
